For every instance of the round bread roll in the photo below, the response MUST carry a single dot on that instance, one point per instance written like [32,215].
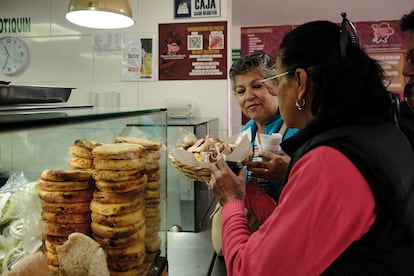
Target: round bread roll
[116,232]
[118,151]
[151,194]
[119,220]
[90,144]
[154,155]
[153,185]
[47,185]
[56,240]
[111,197]
[153,175]
[151,203]
[125,262]
[80,163]
[65,208]
[65,229]
[122,186]
[109,209]
[138,236]
[54,269]
[67,218]
[152,165]
[137,247]
[152,211]
[66,196]
[116,175]
[82,152]
[66,175]
[146,143]
[52,258]
[152,242]
[126,164]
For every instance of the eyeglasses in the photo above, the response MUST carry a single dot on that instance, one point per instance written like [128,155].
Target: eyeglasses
[277,76]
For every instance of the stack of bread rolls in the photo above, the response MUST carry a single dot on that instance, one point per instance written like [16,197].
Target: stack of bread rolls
[65,197]
[117,206]
[152,194]
[81,152]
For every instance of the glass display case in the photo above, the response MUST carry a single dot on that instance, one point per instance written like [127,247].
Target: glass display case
[34,139]
[190,202]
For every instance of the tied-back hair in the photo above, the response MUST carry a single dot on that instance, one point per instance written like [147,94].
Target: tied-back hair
[345,89]
[259,61]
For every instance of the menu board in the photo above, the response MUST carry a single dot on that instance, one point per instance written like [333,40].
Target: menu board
[192,51]
[382,40]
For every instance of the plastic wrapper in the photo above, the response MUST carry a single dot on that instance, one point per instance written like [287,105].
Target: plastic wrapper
[21,232]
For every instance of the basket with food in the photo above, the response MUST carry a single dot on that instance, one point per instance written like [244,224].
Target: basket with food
[192,155]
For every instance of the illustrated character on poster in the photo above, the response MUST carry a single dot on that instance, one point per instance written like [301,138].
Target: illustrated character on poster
[171,55]
[382,32]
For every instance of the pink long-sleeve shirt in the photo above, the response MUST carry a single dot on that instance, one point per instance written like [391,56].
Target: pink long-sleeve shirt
[325,206]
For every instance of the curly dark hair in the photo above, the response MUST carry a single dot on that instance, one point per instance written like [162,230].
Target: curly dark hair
[407,22]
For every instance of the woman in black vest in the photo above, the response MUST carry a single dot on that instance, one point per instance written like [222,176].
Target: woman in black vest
[347,204]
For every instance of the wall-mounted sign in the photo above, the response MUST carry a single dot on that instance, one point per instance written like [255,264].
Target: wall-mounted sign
[197,8]
[15,25]
[382,40]
[192,51]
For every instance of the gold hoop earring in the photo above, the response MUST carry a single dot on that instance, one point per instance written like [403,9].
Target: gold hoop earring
[301,105]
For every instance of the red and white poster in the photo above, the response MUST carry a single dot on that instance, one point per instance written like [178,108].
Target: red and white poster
[192,51]
[382,40]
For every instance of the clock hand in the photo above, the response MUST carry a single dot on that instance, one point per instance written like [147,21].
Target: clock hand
[5,63]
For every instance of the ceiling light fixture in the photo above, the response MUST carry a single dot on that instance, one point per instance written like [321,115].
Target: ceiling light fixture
[100,14]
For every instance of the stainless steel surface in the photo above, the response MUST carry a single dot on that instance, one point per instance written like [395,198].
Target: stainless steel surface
[189,254]
[19,94]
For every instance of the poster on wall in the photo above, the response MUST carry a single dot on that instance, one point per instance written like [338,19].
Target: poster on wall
[382,40]
[192,51]
[137,58]
[197,8]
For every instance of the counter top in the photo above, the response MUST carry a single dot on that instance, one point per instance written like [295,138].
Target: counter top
[19,116]
[189,121]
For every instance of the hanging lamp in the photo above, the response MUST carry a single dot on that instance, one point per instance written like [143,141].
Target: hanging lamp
[100,14]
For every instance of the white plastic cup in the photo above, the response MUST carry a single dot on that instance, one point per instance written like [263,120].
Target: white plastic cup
[270,142]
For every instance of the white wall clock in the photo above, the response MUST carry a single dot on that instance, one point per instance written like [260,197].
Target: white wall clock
[14,55]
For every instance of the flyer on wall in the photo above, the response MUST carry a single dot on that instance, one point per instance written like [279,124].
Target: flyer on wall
[137,58]
[192,51]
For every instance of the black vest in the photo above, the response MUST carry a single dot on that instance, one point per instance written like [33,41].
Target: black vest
[383,156]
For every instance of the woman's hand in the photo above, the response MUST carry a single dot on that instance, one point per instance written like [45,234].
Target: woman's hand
[225,184]
[274,168]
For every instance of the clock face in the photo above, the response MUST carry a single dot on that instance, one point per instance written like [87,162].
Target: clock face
[14,55]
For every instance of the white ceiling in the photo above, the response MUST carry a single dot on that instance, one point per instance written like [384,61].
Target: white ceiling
[281,12]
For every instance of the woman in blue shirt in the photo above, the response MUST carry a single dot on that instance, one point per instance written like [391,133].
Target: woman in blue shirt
[261,106]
